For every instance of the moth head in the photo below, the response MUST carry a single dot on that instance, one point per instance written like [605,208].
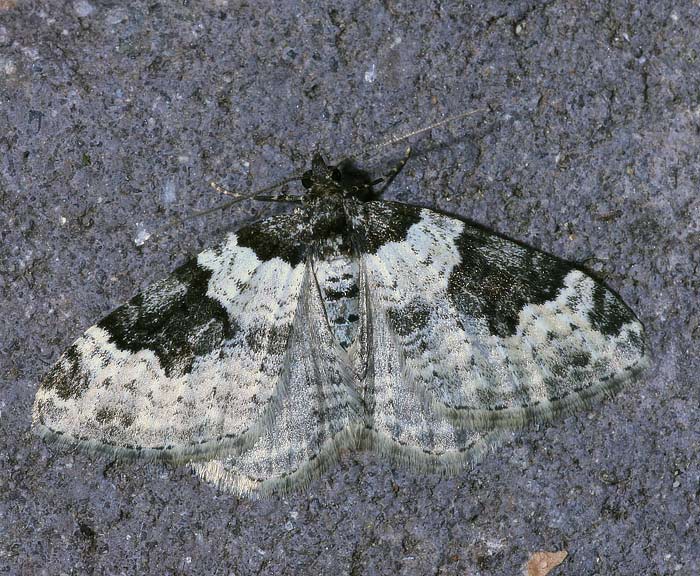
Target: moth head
[320,173]
[344,179]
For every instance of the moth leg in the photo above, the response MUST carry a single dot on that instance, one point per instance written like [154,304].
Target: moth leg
[389,177]
[225,191]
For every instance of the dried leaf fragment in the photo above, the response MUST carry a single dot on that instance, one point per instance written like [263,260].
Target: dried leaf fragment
[542,563]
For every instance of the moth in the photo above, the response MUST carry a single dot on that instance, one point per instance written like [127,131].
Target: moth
[350,322]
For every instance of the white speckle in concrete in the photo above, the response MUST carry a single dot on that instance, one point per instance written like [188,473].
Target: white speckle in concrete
[83,8]
[142,235]
[168,194]
[4,36]
[371,74]
[7,66]
[116,16]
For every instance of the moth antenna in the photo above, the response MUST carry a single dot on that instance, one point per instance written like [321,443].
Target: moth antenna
[237,197]
[400,138]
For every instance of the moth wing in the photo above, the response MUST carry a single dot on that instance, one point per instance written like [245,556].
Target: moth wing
[194,365]
[318,416]
[401,424]
[489,333]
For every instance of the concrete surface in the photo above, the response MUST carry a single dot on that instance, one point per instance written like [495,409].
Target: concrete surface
[113,117]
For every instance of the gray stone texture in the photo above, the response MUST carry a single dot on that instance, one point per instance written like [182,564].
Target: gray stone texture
[113,118]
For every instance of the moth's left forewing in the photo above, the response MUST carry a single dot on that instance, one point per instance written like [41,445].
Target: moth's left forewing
[494,334]
[193,364]
[229,364]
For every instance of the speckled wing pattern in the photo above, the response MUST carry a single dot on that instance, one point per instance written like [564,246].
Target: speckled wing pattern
[379,325]
[318,414]
[481,332]
[200,362]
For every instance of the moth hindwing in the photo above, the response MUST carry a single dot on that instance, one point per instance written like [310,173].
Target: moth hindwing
[349,322]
